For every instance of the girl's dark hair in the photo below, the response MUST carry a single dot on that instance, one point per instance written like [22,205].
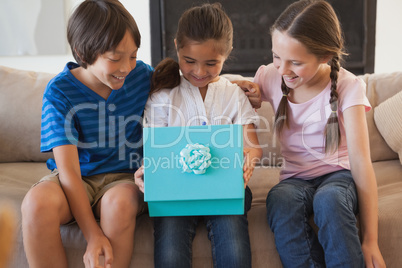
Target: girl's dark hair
[314,24]
[98,26]
[200,24]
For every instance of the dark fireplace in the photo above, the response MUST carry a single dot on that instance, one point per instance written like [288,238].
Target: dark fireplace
[252,42]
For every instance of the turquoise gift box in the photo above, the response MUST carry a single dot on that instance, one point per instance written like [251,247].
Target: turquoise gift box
[171,191]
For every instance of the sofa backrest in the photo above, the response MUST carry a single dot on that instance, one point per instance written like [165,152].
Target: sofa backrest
[21,101]
[21,95]
[380,87]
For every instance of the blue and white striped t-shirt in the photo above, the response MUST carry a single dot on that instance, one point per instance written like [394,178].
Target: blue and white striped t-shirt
[107,133]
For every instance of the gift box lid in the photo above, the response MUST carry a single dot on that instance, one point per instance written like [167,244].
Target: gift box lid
[164,178]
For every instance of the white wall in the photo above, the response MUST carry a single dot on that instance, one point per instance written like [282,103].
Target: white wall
[388,51]
[140,12]
[55,63]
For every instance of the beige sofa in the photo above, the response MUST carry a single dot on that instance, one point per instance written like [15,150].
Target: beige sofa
[21,165]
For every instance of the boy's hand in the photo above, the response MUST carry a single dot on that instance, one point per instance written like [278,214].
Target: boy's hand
[139,178]
[252,91]
[97,247]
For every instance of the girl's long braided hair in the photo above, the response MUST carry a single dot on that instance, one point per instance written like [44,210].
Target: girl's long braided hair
[314,24]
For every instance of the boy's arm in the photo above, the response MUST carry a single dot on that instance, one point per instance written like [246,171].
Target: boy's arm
[252,151]
[67,162]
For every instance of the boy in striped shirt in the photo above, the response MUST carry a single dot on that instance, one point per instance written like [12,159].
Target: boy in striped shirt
[91,121]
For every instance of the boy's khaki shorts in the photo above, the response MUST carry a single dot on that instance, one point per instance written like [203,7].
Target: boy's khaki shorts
[97,185]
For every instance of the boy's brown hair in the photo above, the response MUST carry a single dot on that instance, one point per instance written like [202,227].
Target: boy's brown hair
[98,26]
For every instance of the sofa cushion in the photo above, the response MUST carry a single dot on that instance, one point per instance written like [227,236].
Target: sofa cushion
[379,88]
[20,114]
[388,119]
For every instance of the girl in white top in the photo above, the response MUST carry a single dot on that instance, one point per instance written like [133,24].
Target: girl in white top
[183,105]
[320,119]
[201,97]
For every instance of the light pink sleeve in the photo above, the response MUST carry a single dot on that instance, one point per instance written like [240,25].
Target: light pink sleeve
[269,80]
[259,79]
[352,91]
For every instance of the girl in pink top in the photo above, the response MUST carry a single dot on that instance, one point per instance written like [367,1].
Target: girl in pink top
[320,119]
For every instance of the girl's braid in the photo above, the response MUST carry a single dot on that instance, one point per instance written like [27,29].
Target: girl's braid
[281,113]
[332,131]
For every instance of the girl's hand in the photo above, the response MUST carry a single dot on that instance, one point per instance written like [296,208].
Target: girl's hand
[252,91]
[372,256]
[98,246]
[139,178]
[251,151]
[250,158]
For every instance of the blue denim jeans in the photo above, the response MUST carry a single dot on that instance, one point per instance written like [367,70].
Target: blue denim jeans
[332,199]
[228,235]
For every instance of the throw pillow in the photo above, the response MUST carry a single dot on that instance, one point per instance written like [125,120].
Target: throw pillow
[388,118]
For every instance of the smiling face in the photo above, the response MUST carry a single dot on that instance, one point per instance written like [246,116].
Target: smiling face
[201,63]
[298,67]
[111,68]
